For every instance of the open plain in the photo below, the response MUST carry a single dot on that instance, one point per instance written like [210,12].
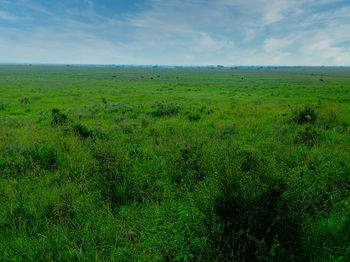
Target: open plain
[174,164]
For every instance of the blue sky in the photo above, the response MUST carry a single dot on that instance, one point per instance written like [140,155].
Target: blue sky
[176,32]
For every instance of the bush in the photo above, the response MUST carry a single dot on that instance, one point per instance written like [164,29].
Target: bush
[2,106]
[82,130]
[256,220]
[161,109]
[304,115]
[194,117]
[59,118]
[308,136]
[188,165]
[25,100]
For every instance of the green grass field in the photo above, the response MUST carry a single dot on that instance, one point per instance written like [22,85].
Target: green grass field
[193,165]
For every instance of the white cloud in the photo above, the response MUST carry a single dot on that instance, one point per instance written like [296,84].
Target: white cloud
[8,17]
[250,32]
[275,44]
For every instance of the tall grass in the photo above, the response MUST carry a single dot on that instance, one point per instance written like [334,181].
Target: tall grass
[221,170]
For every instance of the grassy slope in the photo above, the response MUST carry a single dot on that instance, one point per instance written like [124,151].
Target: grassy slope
[204,167]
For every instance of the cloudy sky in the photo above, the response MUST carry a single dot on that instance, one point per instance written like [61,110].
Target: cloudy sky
[176,32]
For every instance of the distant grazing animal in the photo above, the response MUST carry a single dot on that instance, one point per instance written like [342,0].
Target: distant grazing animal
[242,78]
[114,76]
[152,78]
[321,80]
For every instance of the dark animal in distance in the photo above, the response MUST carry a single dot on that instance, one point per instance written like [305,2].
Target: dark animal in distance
[321,80]
[114,76]
[152,78]
[242,78]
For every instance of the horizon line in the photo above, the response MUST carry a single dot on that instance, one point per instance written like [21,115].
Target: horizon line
[163,65]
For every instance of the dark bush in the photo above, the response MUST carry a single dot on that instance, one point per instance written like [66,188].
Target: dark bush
[59,118]
[161,109]
[206,110]
[2,106]
[304,115]
[308,136]
[25,100]
[188,165]
[256,219]
[82,130]
[193,117]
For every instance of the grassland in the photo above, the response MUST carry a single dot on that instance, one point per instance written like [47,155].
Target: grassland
[192,165]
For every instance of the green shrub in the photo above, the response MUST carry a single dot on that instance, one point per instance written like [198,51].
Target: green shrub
[308,136]
[161,109]
[2,106]
[307,114]
[193,117]
[188,165]
[58,118]
[82,130]
[25,100]
[256,220]
[205,110]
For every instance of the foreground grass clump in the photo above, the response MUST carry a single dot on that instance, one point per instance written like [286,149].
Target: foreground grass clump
[305,114]
[161,109]
[81,130]
[258,220]
[221,170]
[58,118]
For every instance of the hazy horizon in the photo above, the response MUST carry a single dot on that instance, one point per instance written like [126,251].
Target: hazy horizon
[171,66]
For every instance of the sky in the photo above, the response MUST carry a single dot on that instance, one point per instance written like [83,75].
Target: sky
[176,32]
